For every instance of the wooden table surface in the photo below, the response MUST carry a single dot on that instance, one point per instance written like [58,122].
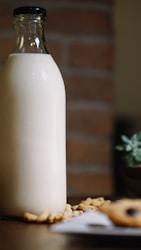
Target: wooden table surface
[18,235]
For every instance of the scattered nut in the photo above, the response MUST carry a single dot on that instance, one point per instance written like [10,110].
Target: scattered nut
[89,204]
[43,217]
[30,217]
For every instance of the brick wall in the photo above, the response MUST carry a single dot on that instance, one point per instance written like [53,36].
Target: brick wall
[80,38]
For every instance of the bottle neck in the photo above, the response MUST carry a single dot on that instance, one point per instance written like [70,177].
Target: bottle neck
[30,34]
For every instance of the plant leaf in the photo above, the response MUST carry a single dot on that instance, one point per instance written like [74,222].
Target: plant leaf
[128,148]
[134,137]
[138,158]
[129,159]
[125,138]
[119,147]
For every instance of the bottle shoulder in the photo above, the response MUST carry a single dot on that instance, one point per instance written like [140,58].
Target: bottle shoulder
[32,66]
[27,61]
[30,56]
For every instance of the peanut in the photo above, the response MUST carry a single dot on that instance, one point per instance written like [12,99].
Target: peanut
[89,204]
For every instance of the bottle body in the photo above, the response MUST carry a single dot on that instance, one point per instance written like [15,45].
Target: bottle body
[32,132]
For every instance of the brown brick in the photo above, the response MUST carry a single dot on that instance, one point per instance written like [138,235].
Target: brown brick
[80,151]
[6,18]
[92,55]
[94,1]
[71,20]
[6,47]
[90,184]
[80,88]
[54,49]
[90,121]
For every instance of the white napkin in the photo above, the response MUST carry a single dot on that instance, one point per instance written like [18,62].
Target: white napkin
[95,223]
[84,223]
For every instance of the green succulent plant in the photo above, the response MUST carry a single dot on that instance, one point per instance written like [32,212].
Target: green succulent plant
[131,148]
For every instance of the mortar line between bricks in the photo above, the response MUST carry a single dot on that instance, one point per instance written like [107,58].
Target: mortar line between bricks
[83,71]
[67,39]
[89,138]
[9,33]
[92,168]
[83,38]
[91,105]
[81,5]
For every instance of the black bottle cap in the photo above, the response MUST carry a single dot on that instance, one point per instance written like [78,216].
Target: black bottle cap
[29,10]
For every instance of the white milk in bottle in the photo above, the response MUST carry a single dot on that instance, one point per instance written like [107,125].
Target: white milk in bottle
[32,123]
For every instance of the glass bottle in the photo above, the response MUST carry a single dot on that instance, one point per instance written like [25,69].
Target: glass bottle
[32,122]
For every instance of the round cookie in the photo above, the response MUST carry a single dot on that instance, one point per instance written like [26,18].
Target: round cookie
[124,212]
